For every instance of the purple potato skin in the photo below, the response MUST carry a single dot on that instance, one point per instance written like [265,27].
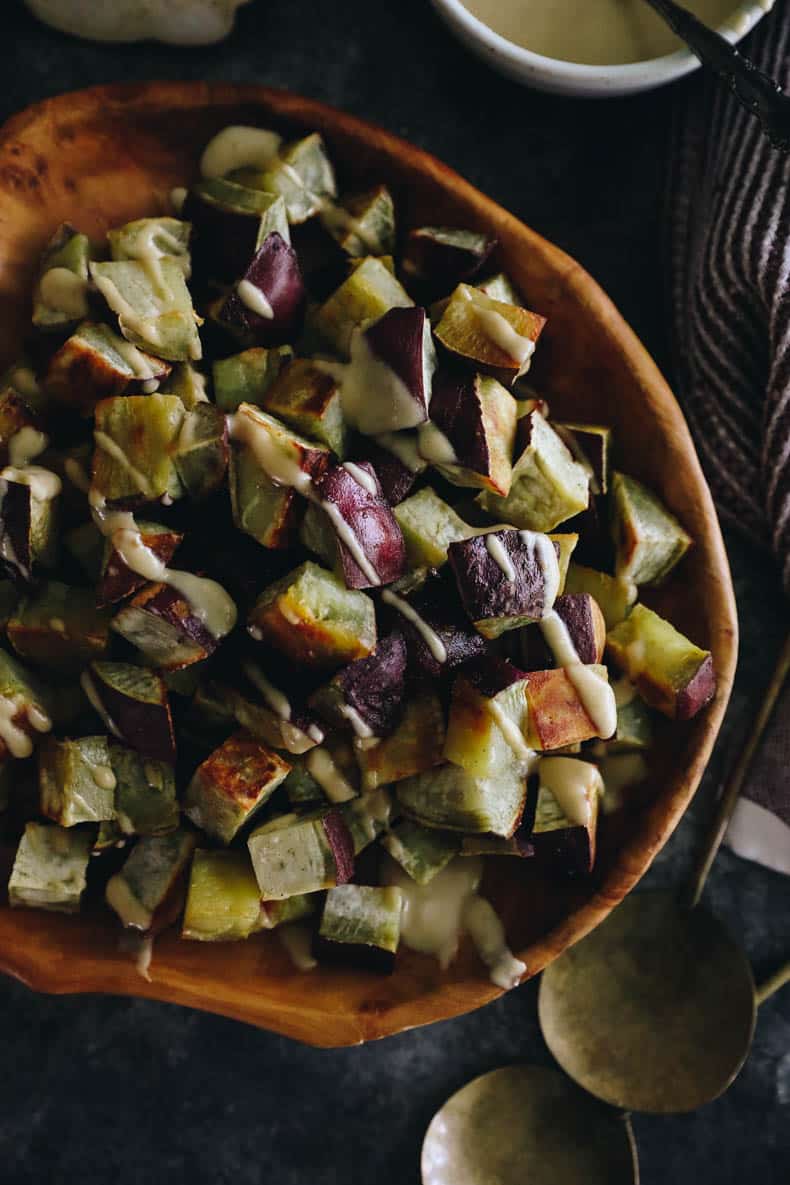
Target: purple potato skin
[372,522]
[441,265]
[275,271]
[456,411]
[375,686]
[595,548]
[491,674]
[15,531]
[223,240]
[119,582]
[146,727]
[698,693]
[168,604]
[484,588]
[439,608]
[342,845]
[395,479]
[590,445]
[396,339]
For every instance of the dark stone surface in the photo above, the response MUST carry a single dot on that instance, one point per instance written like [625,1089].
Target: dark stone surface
[99,1090]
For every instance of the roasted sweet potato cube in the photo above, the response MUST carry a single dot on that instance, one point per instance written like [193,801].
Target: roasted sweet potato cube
[505,578]
[429,526]
[202,450]
[165,627]
[307,398]
[148,892]
[487,724]
[566,815]
[50,868]
[246,377]
[136,439]
[145,793]
[19,426]
[649,541]
[364,224]
[60,627]
[60,298]
[119,581]
[312,618]
[132,703]
[670,672]
[360,926]
[470,435]
[548,485]
[224,901]
[366,295]
[613,595]
[95,364]
[293,855]
[154,311]
[369,546]
[76,781]
[453,799]
[29,520]
[33,704]
[496,338]
[557,716]
[234,782]
[438,257]
[414,746]
[367,696]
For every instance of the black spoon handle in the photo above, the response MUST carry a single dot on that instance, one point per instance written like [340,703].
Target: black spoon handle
[755,90]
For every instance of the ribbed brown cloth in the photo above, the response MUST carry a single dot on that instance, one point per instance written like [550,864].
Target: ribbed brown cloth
[730,266]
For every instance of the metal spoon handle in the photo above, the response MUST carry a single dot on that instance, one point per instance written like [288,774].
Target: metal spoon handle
[773,984]
[758,93]
[732,789]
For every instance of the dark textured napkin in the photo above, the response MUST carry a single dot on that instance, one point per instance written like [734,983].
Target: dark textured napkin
[730,266]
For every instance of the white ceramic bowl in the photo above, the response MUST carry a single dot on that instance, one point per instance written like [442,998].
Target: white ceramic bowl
[572,78]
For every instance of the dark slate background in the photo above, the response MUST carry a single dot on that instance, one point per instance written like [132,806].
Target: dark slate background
[100,1090]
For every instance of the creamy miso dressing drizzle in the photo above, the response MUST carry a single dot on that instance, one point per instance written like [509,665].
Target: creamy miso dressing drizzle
[297,940]
[512,734]
[404,447]
[283,469]
[499,330]
[151,253]
[498,552]
[210,603]
[64,291]
[596,32]
[92,696]
[590,685]
[77,474]
[574,784]
[17,741]
[295,740]
[114,450]
[429,635]
[362,730]
[141,366]
[374,399]
[253,299]
[44,485]
[435,915]
[321,767]
[25,445]
[362,478]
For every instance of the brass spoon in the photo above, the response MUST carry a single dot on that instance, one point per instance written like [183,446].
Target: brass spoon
[527,1123]
[758,93]
[655,1010]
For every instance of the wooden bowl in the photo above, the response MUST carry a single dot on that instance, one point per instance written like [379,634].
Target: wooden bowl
[102,156]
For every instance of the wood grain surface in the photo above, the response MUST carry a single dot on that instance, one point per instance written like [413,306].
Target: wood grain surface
[99,157]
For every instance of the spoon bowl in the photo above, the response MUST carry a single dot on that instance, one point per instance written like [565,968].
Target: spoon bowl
[527,1124]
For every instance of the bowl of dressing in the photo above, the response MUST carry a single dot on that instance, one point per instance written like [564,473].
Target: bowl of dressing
[588,47]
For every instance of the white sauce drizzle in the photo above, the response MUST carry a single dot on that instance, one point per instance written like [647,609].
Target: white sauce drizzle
[151,253]
[505,337]
[211,604]
[277,701]
[404,447]
[17,741]
[574,784]
[373,397]
[541,548]
[321,767]
[485,928]
[76,474]
[279,461]
[362,730]
[297,941]
[434,445]
[362,478]
[24,381]
[590,684]
[429,635]
[25,445]
[92,695]
[140,365]
[44,485]
[238,147]
[498,552]
[432,914]
[128,318]
[114,450]
[253,299]
[64,291]
[512,733]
